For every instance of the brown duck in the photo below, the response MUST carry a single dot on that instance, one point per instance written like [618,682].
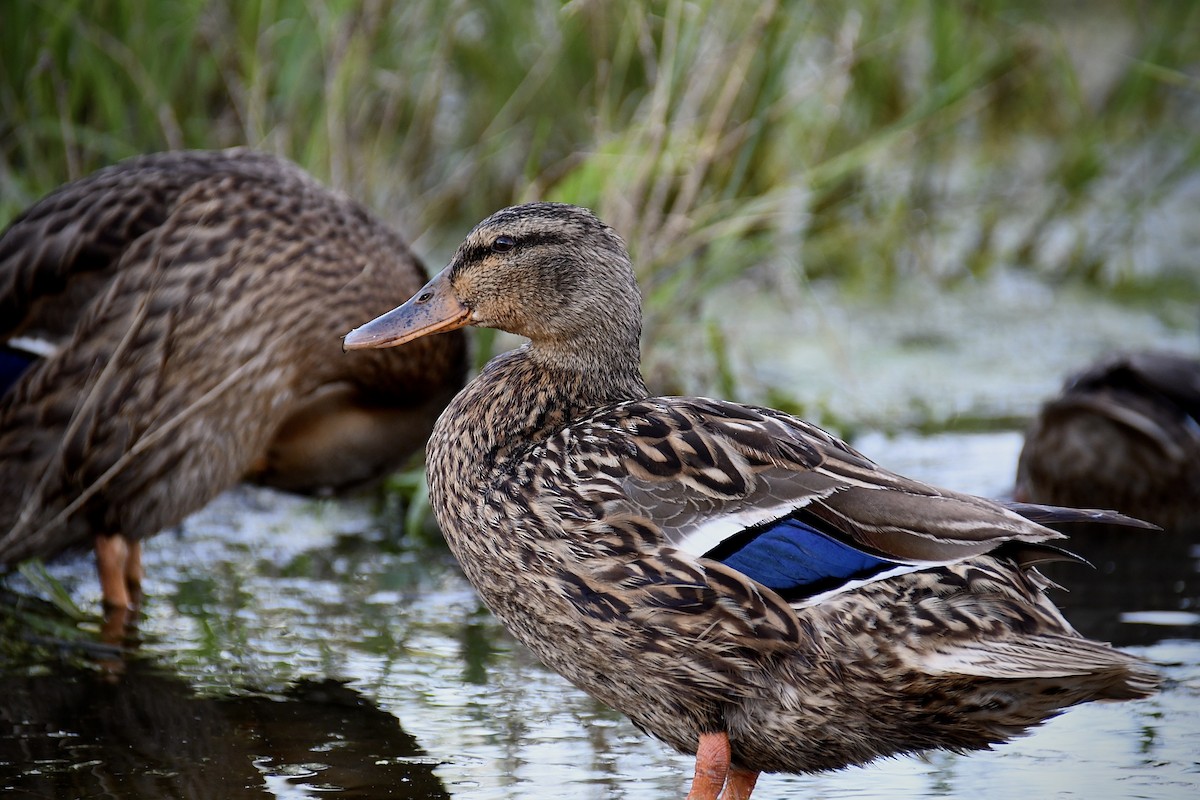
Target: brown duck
[194,302]
[741,584]
[1123,432]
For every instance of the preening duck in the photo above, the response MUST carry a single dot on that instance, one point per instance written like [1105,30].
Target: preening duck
[193,303]
[1126,432]
[741,584]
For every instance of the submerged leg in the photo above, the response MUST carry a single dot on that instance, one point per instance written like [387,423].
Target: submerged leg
[712,766]
[739,784]
[119,563]
[112,561]
[134,572]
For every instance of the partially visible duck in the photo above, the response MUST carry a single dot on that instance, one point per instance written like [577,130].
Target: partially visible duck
[1124,433]
[741,584]
[192,303]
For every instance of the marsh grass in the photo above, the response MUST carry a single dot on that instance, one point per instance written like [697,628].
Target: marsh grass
[40,622]
[867,142]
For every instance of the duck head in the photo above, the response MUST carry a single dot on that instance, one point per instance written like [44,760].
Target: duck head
[551,272]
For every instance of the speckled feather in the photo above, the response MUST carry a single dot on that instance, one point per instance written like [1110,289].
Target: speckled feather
[573,501]
[197,299]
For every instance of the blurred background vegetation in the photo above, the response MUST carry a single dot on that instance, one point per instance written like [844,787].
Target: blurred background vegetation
[864,143]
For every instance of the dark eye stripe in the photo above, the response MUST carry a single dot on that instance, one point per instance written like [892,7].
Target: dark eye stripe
[546,237]
[473,254]
[478,252]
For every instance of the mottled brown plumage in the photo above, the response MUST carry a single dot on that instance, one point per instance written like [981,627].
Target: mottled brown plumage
[196,300]
[741,584]
[1124,432]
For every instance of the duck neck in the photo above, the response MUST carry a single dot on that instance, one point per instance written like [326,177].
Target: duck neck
[522,397]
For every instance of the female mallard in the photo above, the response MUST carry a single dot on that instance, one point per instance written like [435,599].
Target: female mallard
[1125,432]
[195,299]
[741,584]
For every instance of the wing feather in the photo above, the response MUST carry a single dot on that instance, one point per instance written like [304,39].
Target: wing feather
[708,473]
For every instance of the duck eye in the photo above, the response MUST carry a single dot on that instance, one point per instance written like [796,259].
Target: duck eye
[503,244]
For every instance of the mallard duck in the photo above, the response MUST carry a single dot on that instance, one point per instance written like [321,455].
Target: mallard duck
[740,583]
[193,302]
[1126,432]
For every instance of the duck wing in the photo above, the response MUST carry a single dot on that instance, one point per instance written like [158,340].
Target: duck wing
[785,503]
[62,252]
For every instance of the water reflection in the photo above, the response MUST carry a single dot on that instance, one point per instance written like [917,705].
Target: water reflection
[1145,585]
[84,734]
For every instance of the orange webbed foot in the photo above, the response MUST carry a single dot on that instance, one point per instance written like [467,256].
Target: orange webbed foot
[716,778]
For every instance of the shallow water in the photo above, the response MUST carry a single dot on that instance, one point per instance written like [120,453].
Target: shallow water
[927,358]
[292,648]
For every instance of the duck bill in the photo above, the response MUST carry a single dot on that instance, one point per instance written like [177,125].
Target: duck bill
[434,309]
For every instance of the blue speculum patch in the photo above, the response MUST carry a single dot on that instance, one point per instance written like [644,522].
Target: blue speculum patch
[795,559]
[13,363]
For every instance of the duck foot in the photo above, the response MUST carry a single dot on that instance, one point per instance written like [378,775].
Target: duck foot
[119,564]
[716,778]
[739,784]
